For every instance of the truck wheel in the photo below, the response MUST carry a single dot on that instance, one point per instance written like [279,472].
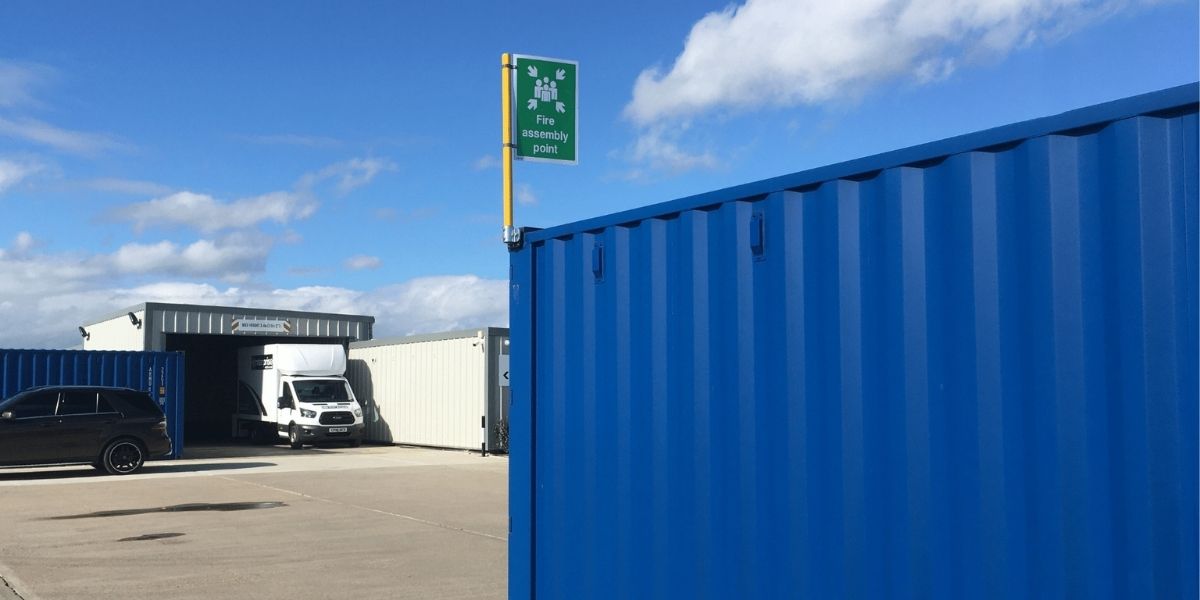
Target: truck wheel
[294,437]
[122,457]
[355,443]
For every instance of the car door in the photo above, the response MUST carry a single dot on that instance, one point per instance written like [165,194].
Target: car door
[81,428]
[29,436]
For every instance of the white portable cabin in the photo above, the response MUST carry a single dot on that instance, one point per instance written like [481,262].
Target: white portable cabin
[445,390]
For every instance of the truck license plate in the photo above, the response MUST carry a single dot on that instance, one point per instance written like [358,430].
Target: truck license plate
[338,430]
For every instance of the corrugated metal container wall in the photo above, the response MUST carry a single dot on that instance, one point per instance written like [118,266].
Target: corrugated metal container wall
[426,392]
[963,370]
[160,373]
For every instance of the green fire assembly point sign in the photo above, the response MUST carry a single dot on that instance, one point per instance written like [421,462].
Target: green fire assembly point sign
[547,109]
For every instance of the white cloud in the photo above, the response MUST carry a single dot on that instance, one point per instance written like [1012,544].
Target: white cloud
[65,140]
[291,139]
[347,175]
[24,274]
[421,213]
[525,195]
[44,297]
[307,271]
[23,243]
[485,162]
[659,148]
[779,53]
[362,262]
[132,187]
[291,237]
[207,214]
[422,305]
[18,80]
[13,172]
[145,258]
[443,303]
[235,257]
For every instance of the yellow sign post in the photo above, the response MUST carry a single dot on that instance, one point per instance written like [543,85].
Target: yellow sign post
[511,235]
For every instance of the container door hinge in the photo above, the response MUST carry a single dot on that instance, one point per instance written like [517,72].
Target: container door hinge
[758,235]
[598,262]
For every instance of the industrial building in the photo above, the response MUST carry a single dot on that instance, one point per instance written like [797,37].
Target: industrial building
[445,390]
[209,337]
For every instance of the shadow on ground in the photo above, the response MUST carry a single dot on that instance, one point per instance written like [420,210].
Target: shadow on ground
[84,471]
[235,450]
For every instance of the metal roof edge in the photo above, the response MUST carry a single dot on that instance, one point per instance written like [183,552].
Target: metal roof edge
[258,312]
[1153,102]
[124,312]
[431,337]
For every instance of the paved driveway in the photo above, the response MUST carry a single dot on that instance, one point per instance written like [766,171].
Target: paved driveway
[247,522]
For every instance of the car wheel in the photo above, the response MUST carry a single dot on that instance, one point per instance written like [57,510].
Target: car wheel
[355,443]
[294,437]
[122,457]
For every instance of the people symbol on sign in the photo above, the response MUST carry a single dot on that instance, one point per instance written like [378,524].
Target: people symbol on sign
[546,90]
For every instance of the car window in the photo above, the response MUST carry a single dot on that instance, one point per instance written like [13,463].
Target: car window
[37,404]
[139,402]
[288,400]
[102,405]
[77,402]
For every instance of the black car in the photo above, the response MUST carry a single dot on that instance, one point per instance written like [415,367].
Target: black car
[113,429]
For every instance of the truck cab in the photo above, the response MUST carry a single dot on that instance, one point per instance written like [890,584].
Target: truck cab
[317,409]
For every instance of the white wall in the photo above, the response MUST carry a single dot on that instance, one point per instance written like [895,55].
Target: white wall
[428,393]
[117,333]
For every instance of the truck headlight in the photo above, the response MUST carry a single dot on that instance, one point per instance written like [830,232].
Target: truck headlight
[308,414]
[358,412]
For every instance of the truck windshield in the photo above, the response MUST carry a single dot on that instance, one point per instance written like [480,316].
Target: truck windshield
[321,390]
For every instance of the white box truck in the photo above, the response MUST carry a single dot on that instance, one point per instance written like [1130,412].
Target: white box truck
[296,392]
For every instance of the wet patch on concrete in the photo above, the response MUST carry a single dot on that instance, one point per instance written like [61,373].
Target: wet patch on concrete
[151,536]
[197,507]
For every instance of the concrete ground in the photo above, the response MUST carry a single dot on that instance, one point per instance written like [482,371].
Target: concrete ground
[370,522]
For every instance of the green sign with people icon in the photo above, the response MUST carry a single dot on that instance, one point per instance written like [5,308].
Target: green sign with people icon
[547,109]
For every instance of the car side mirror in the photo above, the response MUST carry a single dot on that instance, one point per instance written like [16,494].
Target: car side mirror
[6,415]
[282,403]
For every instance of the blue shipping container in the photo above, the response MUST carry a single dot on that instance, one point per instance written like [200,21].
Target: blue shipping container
[962,370]
[160,373]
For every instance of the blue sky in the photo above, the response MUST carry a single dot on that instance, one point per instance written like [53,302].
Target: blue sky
[342,157]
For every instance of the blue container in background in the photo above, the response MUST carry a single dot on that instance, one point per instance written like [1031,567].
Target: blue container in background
[159,373]
[962,370]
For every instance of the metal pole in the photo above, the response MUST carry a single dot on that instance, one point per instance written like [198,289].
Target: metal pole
[510,236]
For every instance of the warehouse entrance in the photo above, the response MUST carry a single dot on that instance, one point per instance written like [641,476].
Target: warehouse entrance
[210,391]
